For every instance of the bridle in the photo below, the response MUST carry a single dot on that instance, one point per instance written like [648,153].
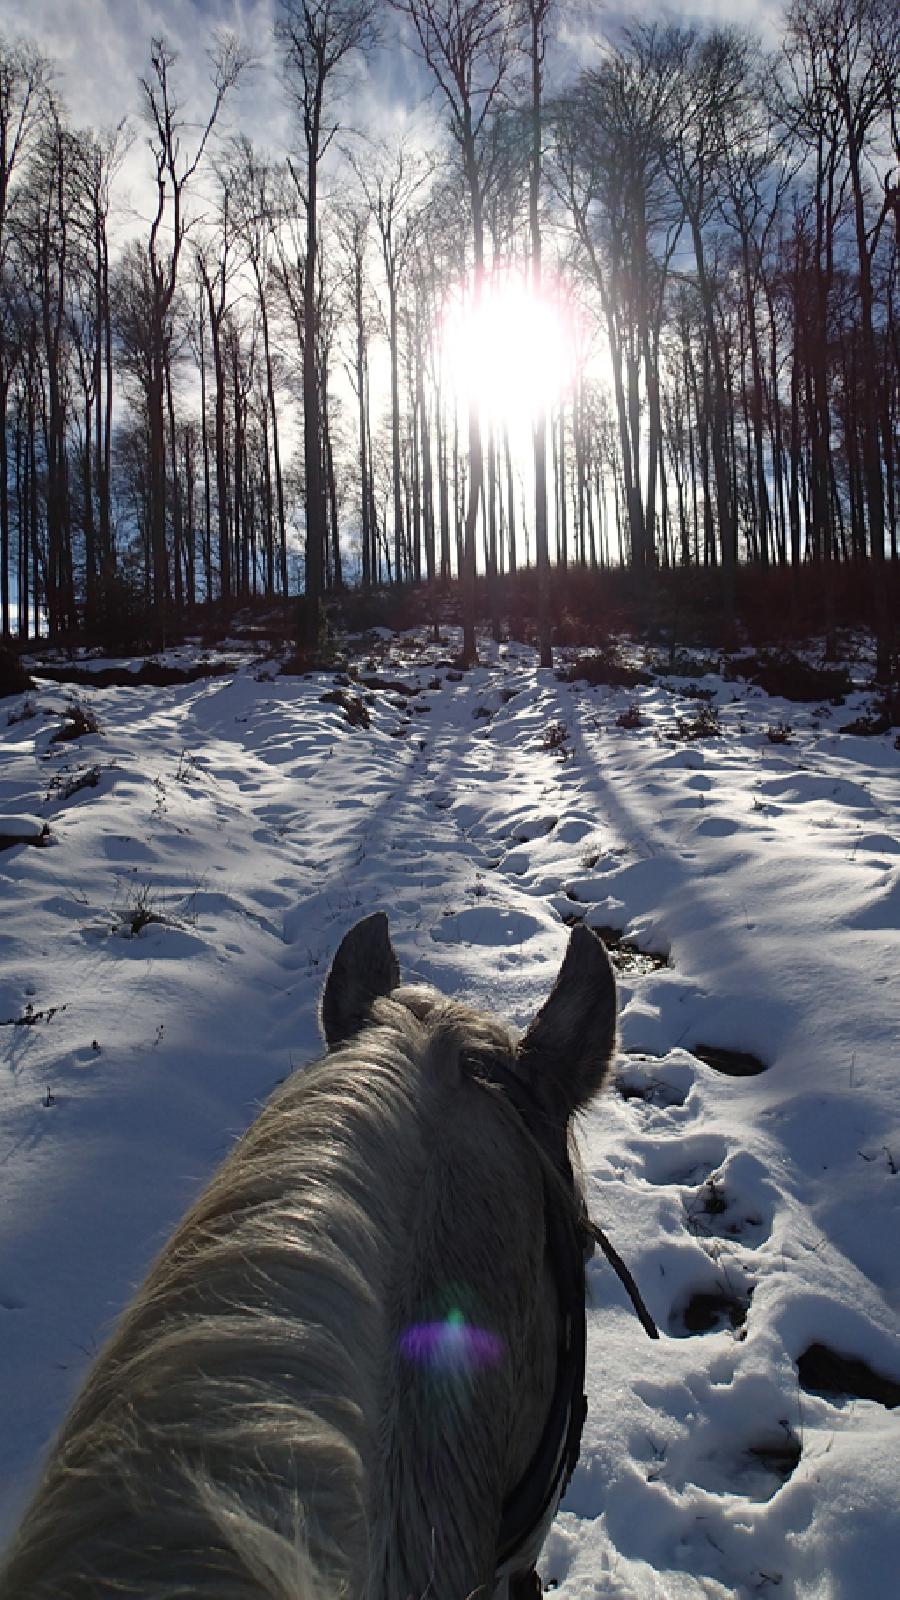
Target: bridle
[571,1235]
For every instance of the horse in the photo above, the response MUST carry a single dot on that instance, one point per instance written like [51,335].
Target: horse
[355,1371]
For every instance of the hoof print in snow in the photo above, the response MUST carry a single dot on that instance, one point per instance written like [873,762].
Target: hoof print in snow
[625,955]
[635,1082]
[778,1455]
[684,1163]
[710,1311]
[823,1371]
[733,1063]
[713,1212]
[537,827]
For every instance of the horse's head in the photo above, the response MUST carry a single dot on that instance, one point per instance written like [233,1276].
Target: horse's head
[564,1056]
[488,1346]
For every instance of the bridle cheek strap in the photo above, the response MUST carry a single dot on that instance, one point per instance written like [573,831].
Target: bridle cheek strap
[571,1236]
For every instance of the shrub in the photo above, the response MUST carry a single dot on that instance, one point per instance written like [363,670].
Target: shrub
[77,721]
[631,717]
[604,666]
[703,724]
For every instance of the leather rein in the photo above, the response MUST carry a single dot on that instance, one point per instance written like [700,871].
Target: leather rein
[571,1237]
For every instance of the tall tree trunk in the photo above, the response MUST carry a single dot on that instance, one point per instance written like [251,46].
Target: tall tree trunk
[316,531]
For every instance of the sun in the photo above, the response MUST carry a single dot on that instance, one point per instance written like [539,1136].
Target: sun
[513,351]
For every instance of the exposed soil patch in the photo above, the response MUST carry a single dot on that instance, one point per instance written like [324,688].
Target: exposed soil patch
[824,1371]
[733,1063]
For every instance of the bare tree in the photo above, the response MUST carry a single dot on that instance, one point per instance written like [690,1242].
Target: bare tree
[711,84]
[24,77]
[391,182]
[467,46]
[844,58]
[535,20]
[317,37]
[174,170]
[608,171]
[256,210]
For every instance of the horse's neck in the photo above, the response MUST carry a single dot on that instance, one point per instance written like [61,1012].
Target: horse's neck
[259,1410]
[463,1404]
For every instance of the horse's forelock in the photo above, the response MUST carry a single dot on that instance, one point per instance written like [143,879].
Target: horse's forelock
[447,1034]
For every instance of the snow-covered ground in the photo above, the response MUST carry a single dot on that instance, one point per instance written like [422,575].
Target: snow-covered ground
[161,953]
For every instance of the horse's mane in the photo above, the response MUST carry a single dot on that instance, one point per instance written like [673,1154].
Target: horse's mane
[232,1436]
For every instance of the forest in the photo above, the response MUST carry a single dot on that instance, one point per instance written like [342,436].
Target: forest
[250,392]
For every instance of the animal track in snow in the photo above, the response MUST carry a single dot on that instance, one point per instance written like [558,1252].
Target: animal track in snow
[657,1083]
[821,1370]
[682,1163]
[487,925]
[733,1063]
[736,1202]
[709,1308]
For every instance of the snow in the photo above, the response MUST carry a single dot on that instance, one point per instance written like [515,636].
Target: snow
[159,971]
[20,829]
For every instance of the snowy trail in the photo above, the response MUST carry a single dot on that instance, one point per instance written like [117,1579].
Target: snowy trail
[252,824]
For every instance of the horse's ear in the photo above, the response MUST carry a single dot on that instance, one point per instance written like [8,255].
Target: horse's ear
[364,968]
[568,1049]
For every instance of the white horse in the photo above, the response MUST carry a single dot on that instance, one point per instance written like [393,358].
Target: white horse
[355,1372]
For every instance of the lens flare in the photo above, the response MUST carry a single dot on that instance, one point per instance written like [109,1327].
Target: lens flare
[513,351]
[451,1345]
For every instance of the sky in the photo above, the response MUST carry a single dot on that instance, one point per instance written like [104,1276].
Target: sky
[101,48]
